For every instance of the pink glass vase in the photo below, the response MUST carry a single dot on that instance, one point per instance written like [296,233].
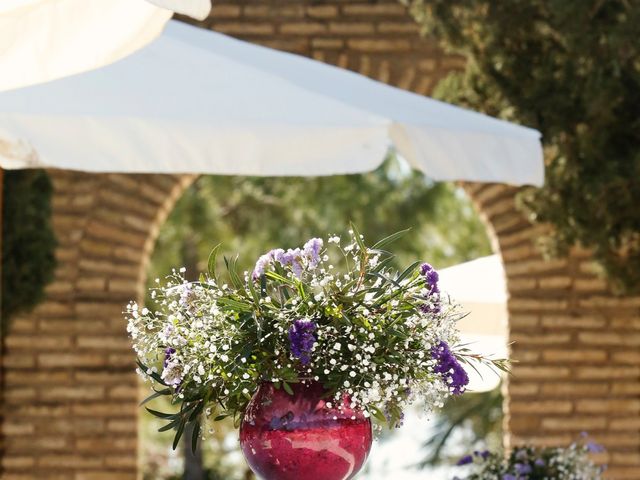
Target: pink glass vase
[298,437]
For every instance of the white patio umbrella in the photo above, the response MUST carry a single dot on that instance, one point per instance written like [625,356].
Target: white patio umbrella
[41,40]
[480,286]
[201,102]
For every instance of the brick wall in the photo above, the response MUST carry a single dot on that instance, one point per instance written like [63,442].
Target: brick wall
[69,395]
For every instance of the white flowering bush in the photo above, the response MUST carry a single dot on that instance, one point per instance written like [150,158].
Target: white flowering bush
[332,313]
[535,463]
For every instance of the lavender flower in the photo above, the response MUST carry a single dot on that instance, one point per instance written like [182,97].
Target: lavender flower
[449,368]
[302,339]
[465,460]
[261,264]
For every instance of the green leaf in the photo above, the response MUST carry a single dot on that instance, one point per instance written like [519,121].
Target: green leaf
[211,262]
[159,393]
[151,373]
[170,425]
[408,271]
[219,418]
[390,239]
[179,433]
[375,411]
[158,414]
[280,278]
[356,234]
[287,388]
[195,437]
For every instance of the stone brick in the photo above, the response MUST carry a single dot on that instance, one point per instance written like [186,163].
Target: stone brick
[574,356]
[603,372]
[573,322]
[610,338]
[541,407]
[225,11]
[351,28]
[302,28]
[368,10]
[321,11]
[399,27]
[245,28]
[629,357]
[80,392]
[327,43]
[577,423]
[48,360]
[378,46]
[575,389]
[617,407]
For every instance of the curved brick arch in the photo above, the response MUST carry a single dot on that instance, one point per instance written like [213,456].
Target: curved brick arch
[70,394]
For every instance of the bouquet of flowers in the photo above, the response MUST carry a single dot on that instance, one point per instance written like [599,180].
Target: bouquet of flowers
[531,463]
[329,312]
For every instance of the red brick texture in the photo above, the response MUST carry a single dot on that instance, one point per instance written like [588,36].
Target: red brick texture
[70,394]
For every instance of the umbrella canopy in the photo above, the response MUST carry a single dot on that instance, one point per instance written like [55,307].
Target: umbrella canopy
[479,285]
[41,40]
[195,101]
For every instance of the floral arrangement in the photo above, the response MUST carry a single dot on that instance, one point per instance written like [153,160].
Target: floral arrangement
[531,463]
[332,313]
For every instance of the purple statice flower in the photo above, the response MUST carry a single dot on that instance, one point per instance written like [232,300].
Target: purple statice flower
[523,469]
[431,278]
[508,476]
[449,368]
[484,454]
[302,339]
[311,251]
[465,460]
[539,462]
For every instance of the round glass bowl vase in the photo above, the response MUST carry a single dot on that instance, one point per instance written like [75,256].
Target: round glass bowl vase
[303,436]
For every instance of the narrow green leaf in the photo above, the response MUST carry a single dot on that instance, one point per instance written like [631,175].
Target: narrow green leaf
[408,271]
[159,393]
[170,425]
[287,388]
[356,234]
[158,414]
[211,262]
[390,239]
[179,433]
[195,436]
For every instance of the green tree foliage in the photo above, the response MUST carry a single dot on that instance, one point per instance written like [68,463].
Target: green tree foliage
[28,240]
[572,70]
[251,215]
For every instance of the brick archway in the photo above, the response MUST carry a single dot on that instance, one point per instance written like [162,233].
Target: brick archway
[70,398]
